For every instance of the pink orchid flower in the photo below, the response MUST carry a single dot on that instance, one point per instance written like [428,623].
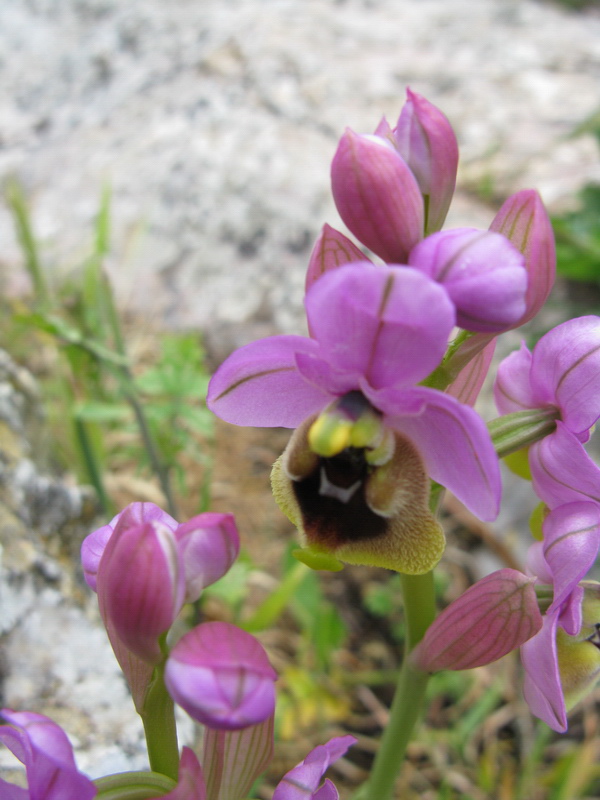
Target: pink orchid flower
[562,374]
[376,332]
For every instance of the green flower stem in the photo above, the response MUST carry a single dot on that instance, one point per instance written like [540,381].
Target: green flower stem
[419,610]
[513,432]
[158,717]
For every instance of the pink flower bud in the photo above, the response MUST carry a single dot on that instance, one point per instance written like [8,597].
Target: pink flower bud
[377,196]
[332,250]
[141,586]
[221,676]
[427,143]
[483,273]
[524,221]
[496,615]
[94,544]
[208,545]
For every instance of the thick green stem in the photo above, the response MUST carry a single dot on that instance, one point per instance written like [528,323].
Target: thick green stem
[419,610]
[158,717]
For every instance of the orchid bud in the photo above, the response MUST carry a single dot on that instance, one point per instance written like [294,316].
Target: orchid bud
[496,615]
[221,676]
[93,545]
[208,545]
[141,586]
[332,250]
[43,747]
[377,196]
[427,143]
[482,272]
[524,221]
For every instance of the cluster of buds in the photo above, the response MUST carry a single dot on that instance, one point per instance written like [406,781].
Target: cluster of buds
[144,567]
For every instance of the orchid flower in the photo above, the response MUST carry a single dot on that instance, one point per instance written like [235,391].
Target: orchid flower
[567,552]
[562,375]
[43,747]
[354,477]
[560,650]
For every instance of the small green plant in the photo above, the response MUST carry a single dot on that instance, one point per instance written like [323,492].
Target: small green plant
[161,409]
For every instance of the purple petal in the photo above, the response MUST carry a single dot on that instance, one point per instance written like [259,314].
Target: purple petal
[525,222]
[10,792]
[571,542]
[427,142]
[453,441]
[566,371]
[542,687]
[482,272]
[332,250]
[467,385]
[93,545]
[190,785]
[561,470]
[571,612]
[44,748]
[141,586]
[512,387]
[302,782]
[389,324]
[377,196]
[320,373]
[260,385]
[208,545]
[493,617]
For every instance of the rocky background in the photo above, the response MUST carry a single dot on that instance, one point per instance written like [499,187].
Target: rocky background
[214,123]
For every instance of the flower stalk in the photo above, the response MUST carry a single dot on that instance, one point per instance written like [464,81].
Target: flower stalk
[419,610]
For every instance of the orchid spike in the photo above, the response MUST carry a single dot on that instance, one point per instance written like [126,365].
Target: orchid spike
[376,332]
[43,747]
